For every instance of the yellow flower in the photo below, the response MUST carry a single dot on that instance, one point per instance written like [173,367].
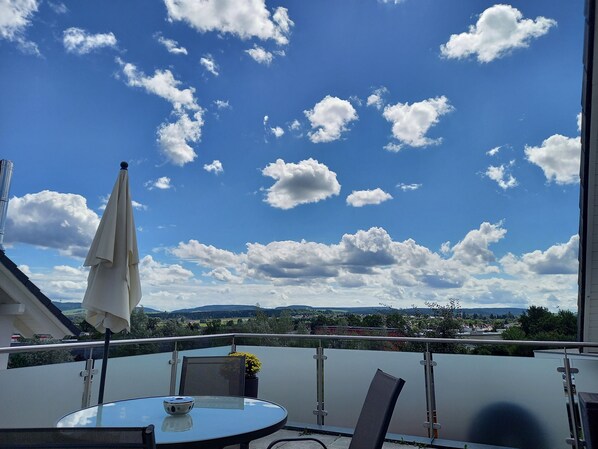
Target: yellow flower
[252,363]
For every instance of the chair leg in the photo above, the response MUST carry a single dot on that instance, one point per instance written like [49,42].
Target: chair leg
[296,439]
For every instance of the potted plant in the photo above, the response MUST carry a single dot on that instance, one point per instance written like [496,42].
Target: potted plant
[252,367]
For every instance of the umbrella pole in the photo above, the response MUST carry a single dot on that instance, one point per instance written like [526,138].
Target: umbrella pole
[104,364]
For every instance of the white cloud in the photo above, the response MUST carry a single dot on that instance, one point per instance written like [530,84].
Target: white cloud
[260,54]
[243,18]
[215,167]
[376,99]
[15,17]
[162,183]
[411,122]
[171,45]
[361,198]
[221,104]
[174,138]
[207,255]
[330,118]
[208,63]
[306,182]
[501,175]
[579,122]
[408,187]
[499,30]
[295,125]
[494,151]
[473,249]
[558,259]
[80,42]
[155,273]
[277,131]
[52,220]
[162,84]
[559,158]
[58,8]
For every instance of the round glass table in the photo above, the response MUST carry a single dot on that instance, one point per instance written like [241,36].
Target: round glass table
[214,421]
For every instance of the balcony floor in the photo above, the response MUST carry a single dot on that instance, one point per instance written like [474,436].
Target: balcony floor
[332,441]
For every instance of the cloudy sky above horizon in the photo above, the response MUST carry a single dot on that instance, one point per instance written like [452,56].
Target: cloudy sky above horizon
[341,153]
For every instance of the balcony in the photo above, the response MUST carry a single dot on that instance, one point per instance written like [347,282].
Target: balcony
[449,400]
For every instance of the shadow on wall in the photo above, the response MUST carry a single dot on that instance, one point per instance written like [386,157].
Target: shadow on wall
[507,424]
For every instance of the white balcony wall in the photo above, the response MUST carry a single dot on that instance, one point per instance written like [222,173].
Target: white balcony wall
[39,395]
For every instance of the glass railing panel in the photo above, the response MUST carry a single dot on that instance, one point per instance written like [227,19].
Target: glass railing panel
[507,401]
[288,377]
[348,374]
[39,396]
[587,378]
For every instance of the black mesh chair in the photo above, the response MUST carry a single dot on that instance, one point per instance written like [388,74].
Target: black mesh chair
[213,376]
[375,415]
[78,438]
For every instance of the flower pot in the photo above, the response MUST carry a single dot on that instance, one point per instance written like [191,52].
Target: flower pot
[251,384]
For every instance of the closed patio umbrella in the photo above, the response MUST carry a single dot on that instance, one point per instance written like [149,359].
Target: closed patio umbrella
[113,285]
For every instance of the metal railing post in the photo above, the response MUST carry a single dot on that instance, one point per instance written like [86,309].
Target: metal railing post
[320,411]
[572,407]
[233,346]
[87,375]
[174,361]
[431,422]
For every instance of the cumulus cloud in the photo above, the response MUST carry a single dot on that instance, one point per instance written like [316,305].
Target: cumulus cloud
[208,63]
[330,118]
[376,99]
[80,42]
[494,151]
[411,122]
[306,182]
[559,158]
[243,18]
[162,183]
[558,259]
[15,17]
[579,122]
[474,250]
[359,198]
[277,131]
[260,54]
[174,138]
[500,174]
[215,167]
[207,255]
[156,273]
[222,104]
[499,30]
[162,84]
[171,45]
[408,187]
[52,220]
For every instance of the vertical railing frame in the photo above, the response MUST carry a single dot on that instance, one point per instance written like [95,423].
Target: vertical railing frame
[572,407]
[320,411]
[431,423]
[173,362]
[87,375]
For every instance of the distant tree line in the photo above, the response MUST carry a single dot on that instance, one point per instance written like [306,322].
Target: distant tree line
[444,321]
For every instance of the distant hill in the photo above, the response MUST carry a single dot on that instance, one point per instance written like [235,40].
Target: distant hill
[218,310]
[75,307]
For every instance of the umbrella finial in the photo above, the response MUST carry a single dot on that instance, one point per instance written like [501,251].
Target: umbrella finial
[124,165]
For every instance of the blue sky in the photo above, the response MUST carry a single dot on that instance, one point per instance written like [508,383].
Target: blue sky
[340,153]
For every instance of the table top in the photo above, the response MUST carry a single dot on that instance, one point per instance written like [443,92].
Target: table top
[214,421]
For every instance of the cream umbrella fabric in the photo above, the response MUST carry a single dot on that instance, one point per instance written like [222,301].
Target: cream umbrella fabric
[113,285]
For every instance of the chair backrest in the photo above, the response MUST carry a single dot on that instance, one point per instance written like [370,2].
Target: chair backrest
[78,438]
[213,376]
[376,412]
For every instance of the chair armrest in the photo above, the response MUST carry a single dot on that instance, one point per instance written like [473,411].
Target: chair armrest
[296,439]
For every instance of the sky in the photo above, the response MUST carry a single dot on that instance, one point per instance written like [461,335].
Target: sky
[339,153]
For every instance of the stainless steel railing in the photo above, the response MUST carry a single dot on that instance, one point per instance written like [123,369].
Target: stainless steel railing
[432,425]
